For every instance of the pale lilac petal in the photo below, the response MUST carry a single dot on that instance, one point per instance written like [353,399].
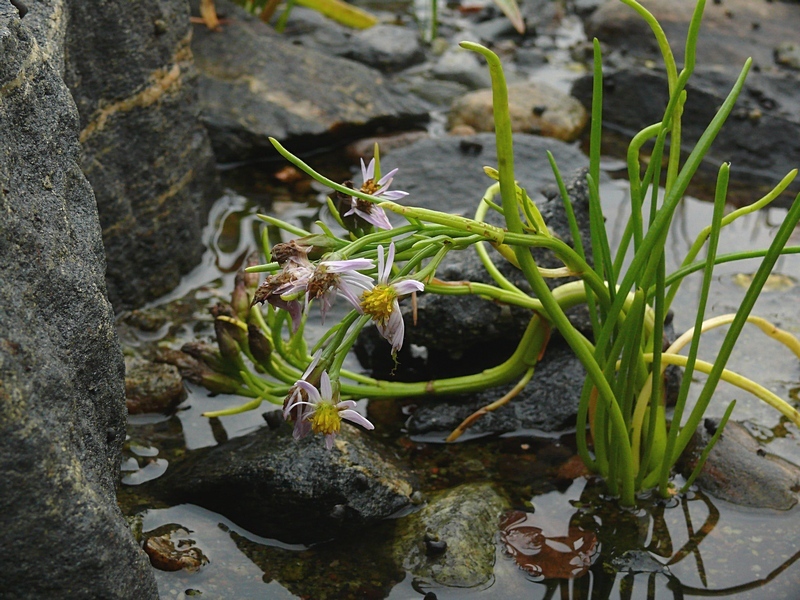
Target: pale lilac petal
[292,307]
[394,330]
[380,265]
[314,362]
[329,441]
[301,429]
[407,286]
[386,180]
[351,264]
[377,217]
[367,172]
[355,417]
[325,387]
[313,393]
[346,404]
[393,194]
[384,276]
[352,298]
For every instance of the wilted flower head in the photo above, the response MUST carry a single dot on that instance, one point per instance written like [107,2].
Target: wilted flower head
[283,288]
[319,412]
[333,276]
[372,213]
[380,301]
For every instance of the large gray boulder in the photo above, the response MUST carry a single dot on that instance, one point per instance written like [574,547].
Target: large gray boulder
[255,84]
[62,402]
[131,72]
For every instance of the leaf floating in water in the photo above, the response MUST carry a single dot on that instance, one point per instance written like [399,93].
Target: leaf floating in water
[565,557]
[776,282]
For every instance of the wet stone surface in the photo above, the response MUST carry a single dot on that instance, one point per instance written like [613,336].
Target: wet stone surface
[741,470]
[152,387]
[296,491]
[450,541]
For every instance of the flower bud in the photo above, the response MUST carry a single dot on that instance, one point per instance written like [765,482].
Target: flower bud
[260,346]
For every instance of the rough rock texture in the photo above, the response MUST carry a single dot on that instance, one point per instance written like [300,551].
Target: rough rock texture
[761,137]
[254,84]
[129,68]
[740,470]
[450,541]
[293,490]
[62,410]
[152,387]
[534,108]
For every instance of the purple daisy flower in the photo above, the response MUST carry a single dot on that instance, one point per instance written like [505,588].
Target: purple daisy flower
[334,276]
[381,300]
[372,213]
[322,413]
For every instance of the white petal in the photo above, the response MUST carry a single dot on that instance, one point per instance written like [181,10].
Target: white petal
[407,286]
[393,194]
[313,393]
[384,276]
[380,263]
[357,418]
[387,179]
[325,387]
[329,441]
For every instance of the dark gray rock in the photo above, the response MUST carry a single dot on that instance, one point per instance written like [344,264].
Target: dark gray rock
[275,486]
[548,403]
[62,407]
[254,84]
[387,47]
[451,540]
[148,158]
[761,137]
[739,469]
[462,66]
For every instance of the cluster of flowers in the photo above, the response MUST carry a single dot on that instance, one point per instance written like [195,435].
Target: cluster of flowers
[300,282]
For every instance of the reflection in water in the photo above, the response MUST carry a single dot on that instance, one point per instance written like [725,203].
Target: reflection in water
[732,553]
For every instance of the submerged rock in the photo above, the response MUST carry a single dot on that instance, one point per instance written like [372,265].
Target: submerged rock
[451,540]
[292,490]
[62,407]
[254,84]
[739,469]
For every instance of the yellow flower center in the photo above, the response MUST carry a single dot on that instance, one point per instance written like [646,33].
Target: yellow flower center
[379,302]
[326,419]
[370,187]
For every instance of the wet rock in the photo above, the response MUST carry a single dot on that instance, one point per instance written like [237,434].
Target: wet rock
[152,387]
[174,550]
[387,47]
[462,66]
[534,108]
[254,84]
[760,137]
[292,490]
[450,541]
[787,54]
[741,470]
[548,403]
[145,152]
[62,413]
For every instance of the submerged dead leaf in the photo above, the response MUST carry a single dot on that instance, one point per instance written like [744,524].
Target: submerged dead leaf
[563,557]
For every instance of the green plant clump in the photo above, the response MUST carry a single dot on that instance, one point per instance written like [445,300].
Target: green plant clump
[633,446]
